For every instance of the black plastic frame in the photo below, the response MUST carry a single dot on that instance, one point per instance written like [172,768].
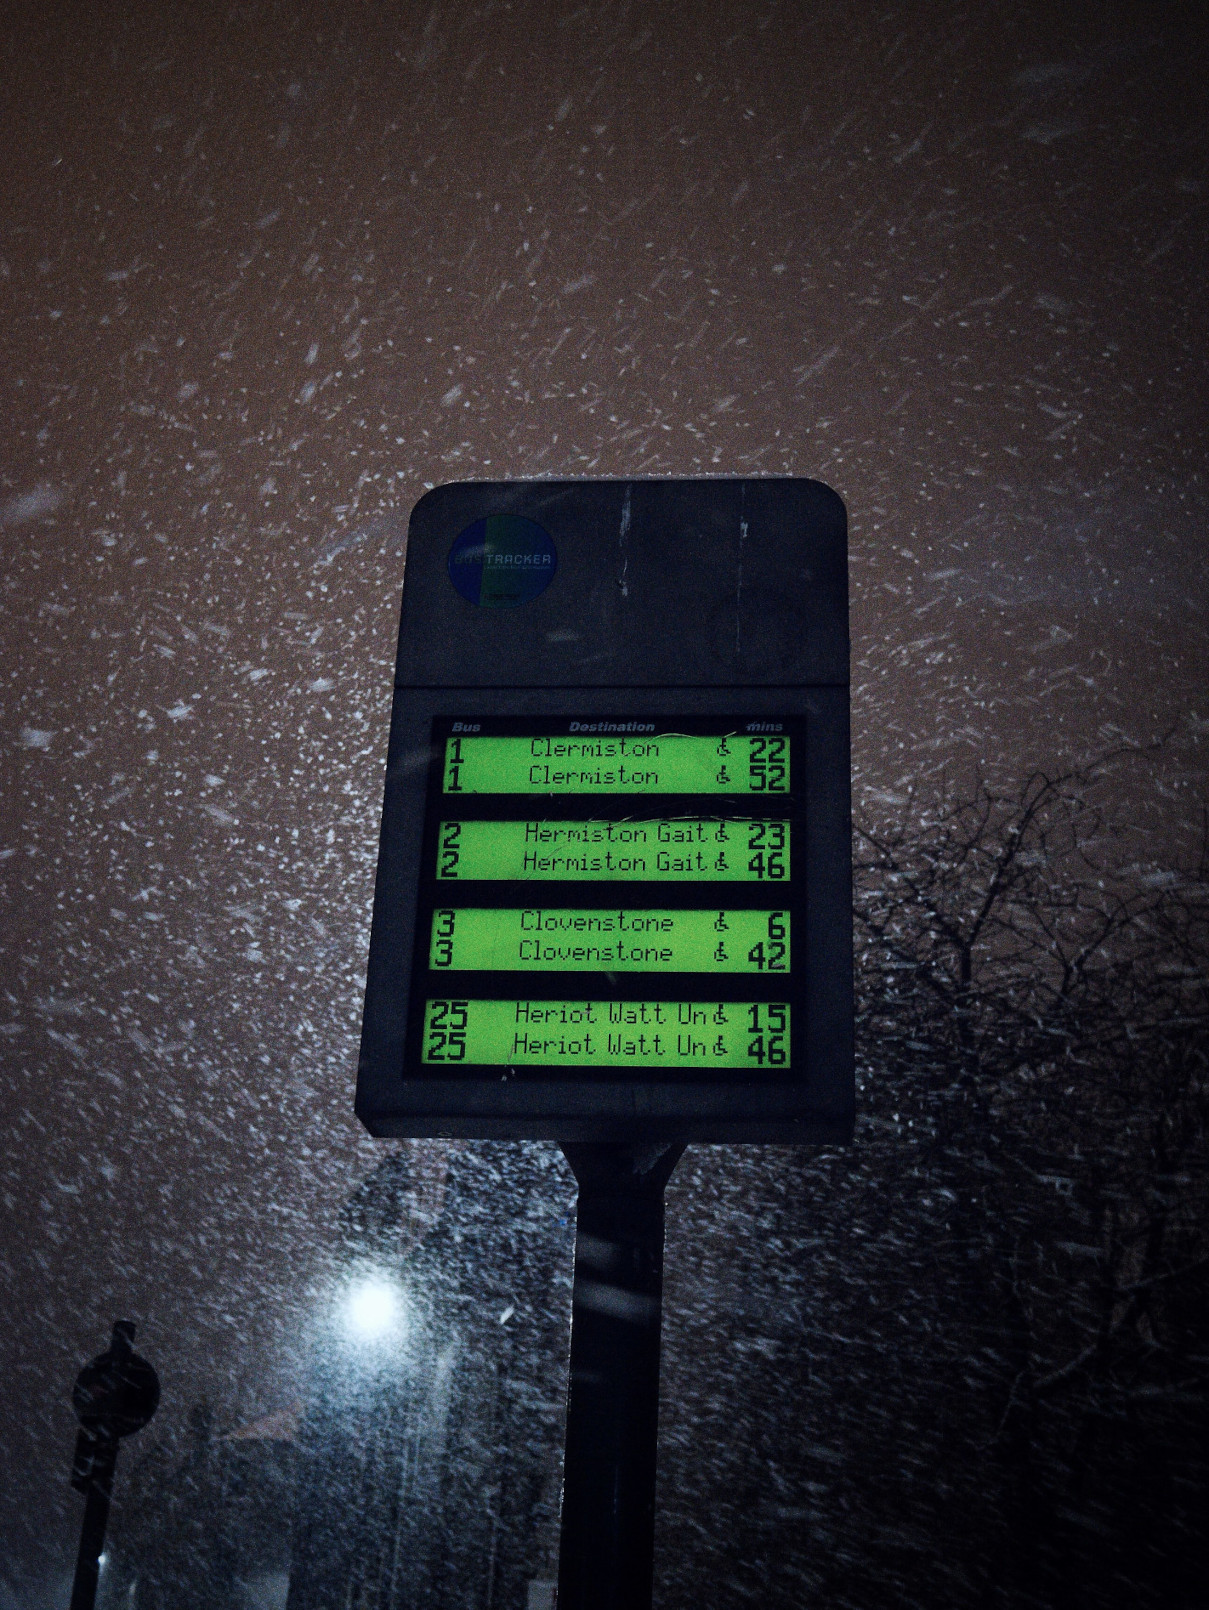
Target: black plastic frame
[816,1104]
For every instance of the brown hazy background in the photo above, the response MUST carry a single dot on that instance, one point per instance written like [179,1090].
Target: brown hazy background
[267,272]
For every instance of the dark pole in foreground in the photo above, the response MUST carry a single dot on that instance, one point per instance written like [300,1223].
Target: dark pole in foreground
[92,1534]
[606,1554]
[113,1396]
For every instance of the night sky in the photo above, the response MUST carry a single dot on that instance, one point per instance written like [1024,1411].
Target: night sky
[269,271]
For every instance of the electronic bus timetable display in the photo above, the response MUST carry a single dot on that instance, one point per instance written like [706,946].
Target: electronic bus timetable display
[661,933]
[613,911]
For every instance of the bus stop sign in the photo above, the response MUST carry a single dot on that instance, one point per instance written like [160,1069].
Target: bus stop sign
[613,899]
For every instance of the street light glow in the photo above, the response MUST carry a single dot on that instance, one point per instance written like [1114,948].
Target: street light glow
[372,1308]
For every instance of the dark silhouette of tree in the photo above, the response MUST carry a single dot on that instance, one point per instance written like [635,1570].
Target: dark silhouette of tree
[964,1362]
[1039,1003]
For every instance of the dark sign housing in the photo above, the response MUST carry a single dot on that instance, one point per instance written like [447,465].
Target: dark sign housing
[613,897]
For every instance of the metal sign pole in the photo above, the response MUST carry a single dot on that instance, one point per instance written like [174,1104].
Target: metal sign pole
[92,1535]
[606,1555]
[113,1397]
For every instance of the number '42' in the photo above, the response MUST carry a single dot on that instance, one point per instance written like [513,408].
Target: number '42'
[772,955]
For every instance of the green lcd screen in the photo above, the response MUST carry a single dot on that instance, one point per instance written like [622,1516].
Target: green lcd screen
[664,763]
[680,850]
[607,1034]
[488,939]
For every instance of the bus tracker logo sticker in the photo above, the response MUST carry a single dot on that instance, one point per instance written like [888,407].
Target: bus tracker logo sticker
[502,561]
